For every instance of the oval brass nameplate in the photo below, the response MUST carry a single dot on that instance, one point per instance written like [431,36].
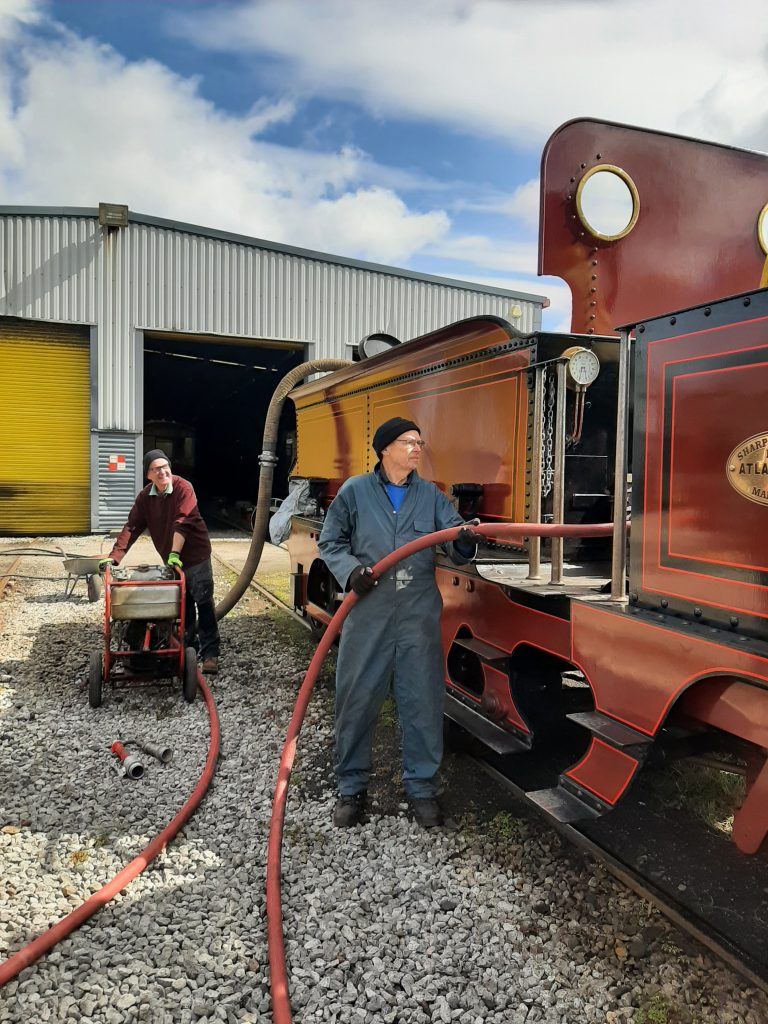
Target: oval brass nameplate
[747,468]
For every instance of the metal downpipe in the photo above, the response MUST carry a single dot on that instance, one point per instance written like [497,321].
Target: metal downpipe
[267,461]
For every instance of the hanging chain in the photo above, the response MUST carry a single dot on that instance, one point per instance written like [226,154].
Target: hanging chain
[547,461]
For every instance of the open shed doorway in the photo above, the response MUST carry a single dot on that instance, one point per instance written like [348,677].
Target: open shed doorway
[205,405]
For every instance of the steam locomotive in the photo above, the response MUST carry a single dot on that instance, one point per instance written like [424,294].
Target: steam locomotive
[654,404]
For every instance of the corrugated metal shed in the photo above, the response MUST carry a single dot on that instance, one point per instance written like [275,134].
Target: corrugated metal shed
[59,264]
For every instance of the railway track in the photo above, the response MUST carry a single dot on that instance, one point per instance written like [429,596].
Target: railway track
[726,947]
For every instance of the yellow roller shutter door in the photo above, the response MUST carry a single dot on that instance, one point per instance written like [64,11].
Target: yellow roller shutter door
[44,431]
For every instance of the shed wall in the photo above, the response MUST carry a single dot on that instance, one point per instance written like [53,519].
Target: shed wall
[67,268]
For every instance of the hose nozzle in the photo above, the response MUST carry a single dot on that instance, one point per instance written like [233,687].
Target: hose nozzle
[132,766]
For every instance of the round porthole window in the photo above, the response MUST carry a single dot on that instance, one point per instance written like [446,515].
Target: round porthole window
[607,202]
[762,229]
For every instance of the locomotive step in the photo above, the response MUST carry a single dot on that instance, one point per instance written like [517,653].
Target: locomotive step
[498,739]
[609,730]
[562,805]
[486,652]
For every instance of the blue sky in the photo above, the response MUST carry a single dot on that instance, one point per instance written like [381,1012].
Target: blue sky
[406,132]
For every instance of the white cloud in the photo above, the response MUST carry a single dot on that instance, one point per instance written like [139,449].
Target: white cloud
[88,125]
[513,256]
[514,70]
[522,204]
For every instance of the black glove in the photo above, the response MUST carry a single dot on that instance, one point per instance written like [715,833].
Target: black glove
[468,537]
[361,580]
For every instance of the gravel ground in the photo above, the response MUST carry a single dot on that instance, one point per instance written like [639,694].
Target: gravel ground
[493,921]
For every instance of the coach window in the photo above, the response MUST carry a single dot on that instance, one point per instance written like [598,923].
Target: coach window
[607,202]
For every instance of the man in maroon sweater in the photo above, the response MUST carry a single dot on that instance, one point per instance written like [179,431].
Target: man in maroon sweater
[167,508]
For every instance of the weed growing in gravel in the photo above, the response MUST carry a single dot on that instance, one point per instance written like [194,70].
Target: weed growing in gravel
[503,828]
[388,713]
[659,1011]
[674,952]
[101,840]
[79,857]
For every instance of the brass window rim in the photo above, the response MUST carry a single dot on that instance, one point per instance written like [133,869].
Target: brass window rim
[762,223]
[622,174]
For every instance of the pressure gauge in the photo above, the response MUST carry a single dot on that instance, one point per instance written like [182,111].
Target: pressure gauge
[583,366]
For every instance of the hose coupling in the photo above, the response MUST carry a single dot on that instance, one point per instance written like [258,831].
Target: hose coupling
[267,458]
[163,754]
[132,766]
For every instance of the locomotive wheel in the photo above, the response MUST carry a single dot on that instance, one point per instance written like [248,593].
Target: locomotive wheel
[95,667]
[189,689]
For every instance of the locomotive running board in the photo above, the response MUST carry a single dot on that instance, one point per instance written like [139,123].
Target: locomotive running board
[497,739]
[614,733]
[562,805]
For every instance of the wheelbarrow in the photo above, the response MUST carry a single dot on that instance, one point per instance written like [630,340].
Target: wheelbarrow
[85,567]
[144,610]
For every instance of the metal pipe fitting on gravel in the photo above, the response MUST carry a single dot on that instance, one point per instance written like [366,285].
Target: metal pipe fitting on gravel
[157,750]
[267,461]
[132,766]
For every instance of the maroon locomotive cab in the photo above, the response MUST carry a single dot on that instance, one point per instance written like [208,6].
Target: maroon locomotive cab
[699,544]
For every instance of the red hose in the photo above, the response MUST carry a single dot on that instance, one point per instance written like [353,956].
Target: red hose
[281,1006]
[43,943]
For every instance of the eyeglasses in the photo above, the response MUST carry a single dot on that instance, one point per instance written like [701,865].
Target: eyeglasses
[159,469]
[410,444]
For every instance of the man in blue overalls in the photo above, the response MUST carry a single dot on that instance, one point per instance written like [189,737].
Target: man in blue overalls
[392,635]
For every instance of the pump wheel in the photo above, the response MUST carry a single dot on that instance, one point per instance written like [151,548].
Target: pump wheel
[190,675]
[95,667]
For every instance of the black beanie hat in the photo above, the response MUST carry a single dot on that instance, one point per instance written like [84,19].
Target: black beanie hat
[150,457]
[388,431]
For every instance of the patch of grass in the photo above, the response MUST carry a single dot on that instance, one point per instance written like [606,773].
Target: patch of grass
[277,583]
[503,828]
[388,713]
[659,1010]
[711,795]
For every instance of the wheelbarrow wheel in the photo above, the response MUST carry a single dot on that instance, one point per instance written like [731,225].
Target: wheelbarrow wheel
[190,674]
[95,668]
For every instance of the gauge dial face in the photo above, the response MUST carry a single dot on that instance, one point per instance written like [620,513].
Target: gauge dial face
[584,367]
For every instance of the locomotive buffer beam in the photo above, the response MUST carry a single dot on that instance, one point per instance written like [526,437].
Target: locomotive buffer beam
[568,801]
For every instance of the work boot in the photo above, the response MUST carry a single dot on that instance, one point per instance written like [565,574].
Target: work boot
[349,809]
[210,666]
[427,811]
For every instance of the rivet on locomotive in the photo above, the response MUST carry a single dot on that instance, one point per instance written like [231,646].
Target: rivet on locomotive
[596,653]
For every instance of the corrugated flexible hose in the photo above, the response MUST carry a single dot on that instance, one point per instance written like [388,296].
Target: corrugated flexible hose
[281,1005]
[267,461]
